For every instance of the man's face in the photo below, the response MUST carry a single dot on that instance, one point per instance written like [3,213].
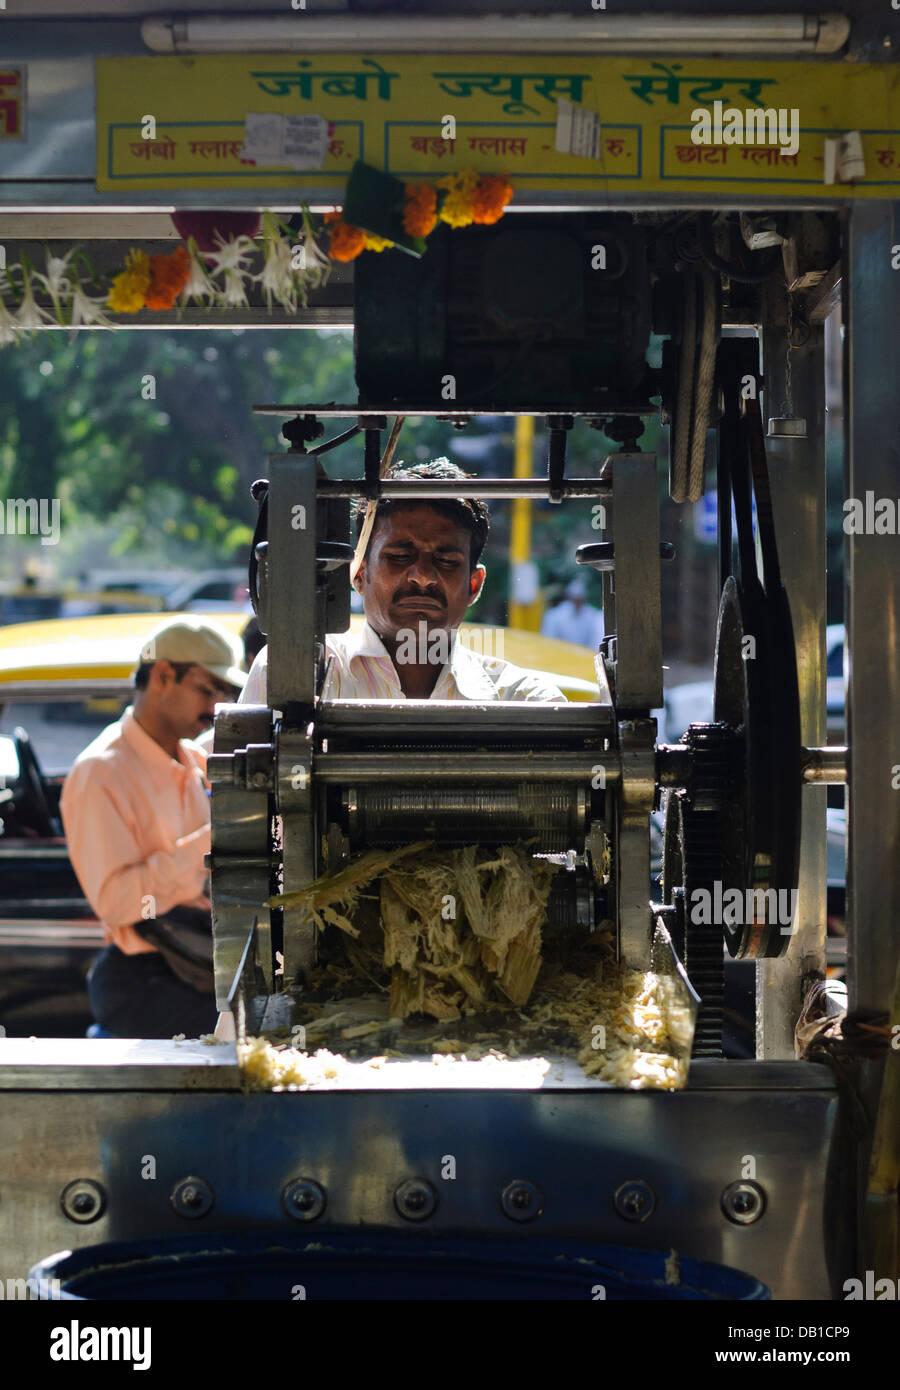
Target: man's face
[417,570]
[188,704]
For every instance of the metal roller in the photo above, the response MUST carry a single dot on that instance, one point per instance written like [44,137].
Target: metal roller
[554,816]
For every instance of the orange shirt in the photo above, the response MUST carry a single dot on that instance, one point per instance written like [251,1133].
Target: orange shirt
[137,825]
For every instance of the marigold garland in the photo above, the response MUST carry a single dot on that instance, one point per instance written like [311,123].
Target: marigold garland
[346,242]
[170,275]
[219,278]
[130,287]
[457,208]
[149,282]
[467,197]
[490,198]
[158,282]
[419,209]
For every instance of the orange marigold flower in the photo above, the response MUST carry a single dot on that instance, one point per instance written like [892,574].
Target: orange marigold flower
[346,241]
[181,262]
[420,209]
[490,198]
[169,275]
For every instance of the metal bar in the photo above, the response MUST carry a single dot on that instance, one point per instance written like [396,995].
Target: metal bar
[796,467]
[372,456]
[872,608]
[239,859]
[880,1224]
[608,577]
[149,1064]
[57,192]
[292,580]
[632,835]
[821,765]
[476,767]
[638,614]
[298,848]
[440,412]
[872,605]
[482,487]
[314,316]
[236,1002]
[504,721]
[558,427]
[673,767]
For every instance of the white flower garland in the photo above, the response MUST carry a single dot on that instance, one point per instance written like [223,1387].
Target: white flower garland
[292,265]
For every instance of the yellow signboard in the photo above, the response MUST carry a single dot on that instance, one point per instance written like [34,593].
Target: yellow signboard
[178,123]
[12,103]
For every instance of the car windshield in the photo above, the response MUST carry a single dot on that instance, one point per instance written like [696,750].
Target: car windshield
[60,729]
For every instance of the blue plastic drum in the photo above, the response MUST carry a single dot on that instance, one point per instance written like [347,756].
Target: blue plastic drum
[275,1265]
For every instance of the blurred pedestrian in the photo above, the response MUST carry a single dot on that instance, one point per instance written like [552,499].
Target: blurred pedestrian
[574,620]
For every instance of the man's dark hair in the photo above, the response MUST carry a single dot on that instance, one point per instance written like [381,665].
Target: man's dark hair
[469,512]
[142,674]
[252,639]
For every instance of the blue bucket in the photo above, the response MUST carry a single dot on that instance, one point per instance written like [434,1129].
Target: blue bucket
[275,1265]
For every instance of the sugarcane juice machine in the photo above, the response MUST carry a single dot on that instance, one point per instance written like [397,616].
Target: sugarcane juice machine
[758,1164]
[303,784]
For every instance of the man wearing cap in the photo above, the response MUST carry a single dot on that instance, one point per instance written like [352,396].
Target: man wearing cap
[418,569]
[135,807]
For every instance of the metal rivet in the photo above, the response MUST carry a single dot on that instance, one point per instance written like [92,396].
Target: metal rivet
[635,1200]
[303,1199]
[415,1199]
[522,1200]
[83,1200]
[192,1197]
[743,1202]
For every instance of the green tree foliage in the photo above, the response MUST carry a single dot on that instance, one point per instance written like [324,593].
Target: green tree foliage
[150,441]
[149,438]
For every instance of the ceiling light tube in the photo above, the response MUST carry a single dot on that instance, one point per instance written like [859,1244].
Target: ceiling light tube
[598,33]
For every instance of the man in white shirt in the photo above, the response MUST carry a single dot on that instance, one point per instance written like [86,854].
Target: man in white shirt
[575,620]
[420,574]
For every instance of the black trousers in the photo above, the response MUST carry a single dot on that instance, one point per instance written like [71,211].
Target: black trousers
[141,997]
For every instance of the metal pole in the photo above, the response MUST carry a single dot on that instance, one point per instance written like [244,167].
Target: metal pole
[872,614]
[872,576]
[481,487]
[524,613]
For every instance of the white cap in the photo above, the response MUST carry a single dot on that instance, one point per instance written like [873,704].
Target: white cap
[200,644]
